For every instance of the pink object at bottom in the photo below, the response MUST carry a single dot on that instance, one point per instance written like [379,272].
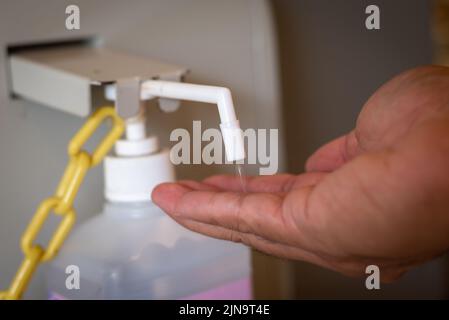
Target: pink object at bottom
[236,290]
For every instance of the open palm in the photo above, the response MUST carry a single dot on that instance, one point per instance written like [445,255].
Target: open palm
[378,195]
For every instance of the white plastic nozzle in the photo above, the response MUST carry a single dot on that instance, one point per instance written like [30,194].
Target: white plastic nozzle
[233,140]
[230,127]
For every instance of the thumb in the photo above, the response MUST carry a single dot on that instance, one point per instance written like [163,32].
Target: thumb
[334,154]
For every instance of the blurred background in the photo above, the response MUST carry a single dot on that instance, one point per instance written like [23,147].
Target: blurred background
[304,66]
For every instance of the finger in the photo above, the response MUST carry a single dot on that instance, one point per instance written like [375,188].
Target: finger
[261,214]
[334,154]
[275,183]
[196,185]
[167,195]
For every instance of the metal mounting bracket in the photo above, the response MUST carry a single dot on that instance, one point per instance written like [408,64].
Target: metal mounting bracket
[67,78]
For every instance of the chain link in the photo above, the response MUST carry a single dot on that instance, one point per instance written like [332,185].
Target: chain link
[62,202]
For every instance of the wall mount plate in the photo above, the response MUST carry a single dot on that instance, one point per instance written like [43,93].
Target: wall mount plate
[66,78]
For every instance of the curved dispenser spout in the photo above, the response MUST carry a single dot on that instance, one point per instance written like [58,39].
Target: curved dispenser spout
[230,127]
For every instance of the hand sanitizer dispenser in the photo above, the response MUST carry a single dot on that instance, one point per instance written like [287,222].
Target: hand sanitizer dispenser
[133,250]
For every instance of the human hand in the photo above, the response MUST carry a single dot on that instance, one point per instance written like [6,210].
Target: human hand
[378,195]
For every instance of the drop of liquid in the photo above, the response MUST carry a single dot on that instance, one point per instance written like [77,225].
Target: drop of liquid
[240,172]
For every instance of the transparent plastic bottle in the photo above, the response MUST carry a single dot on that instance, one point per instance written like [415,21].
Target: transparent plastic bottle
[135,251]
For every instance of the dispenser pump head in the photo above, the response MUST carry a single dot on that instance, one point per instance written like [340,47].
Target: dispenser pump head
[137,166]
[230,127]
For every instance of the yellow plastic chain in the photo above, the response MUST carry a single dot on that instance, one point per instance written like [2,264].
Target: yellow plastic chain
[62,202]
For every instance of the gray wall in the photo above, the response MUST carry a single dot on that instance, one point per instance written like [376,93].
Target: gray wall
[330,65]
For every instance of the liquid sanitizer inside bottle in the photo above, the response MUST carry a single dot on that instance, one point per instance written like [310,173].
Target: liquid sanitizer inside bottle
[133,250]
